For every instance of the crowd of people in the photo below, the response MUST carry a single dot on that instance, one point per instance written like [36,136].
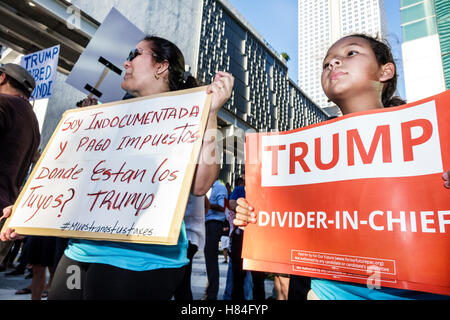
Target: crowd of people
[359,74]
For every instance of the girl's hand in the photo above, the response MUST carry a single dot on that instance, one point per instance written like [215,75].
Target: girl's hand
[446,177]
[244,213]
[10,234]
[221,90]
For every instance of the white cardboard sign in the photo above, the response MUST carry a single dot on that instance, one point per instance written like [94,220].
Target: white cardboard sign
[43,66]
[120,171]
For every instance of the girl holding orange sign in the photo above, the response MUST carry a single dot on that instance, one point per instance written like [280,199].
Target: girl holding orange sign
[359,74]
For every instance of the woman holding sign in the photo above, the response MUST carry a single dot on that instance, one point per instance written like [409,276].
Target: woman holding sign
[114,270]
[359,74]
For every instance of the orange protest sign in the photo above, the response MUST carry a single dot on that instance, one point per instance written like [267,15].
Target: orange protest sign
[358,198]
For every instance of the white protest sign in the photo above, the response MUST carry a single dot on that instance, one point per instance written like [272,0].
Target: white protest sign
[99,70]
[42,65]
[120,171]
[377,148]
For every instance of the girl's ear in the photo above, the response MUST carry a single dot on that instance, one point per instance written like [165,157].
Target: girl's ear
[387,72]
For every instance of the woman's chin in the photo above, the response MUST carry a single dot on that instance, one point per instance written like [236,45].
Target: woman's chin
[126,87]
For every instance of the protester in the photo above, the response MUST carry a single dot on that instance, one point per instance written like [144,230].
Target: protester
[118,270]
[194,220]
[19,244]
[299,286]
[19,141]
[19,131]
[19,269]
[225,239]
[8,261]
[359,74]
[230,215]
[228,186]
[41,256]
[237,238]
[281,285]
[214,228]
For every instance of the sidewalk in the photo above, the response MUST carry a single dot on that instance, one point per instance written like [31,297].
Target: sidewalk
[9,285]
[199,279]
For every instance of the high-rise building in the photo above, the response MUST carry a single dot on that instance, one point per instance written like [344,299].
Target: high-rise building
[320,24]
[425,24]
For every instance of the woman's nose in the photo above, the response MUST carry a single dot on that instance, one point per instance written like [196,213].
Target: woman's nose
[126,64]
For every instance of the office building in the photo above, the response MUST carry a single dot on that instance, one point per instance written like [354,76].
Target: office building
[320,24]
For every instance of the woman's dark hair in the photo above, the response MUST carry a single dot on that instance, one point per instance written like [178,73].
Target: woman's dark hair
[165,50]
[384,55]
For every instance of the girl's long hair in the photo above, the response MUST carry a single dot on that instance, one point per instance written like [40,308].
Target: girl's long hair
[384,55]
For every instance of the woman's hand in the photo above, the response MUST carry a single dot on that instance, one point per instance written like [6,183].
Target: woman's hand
[446,177]
[244,213]
[87,102]
[221,90]
[10,234]
[209,160]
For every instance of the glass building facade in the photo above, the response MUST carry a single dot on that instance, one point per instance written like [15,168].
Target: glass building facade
[442,8]
[418,19]
[426,24]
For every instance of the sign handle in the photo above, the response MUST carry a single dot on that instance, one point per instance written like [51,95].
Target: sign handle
[99,82]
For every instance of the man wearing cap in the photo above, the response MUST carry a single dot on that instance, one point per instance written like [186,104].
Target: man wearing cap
[19,134]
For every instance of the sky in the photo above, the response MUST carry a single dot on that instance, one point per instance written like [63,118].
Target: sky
[276,21]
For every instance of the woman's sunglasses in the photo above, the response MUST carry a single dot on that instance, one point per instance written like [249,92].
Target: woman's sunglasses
[136,52]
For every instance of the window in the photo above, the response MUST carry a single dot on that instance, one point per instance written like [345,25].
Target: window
[405,3]
[419,29]
[417,12]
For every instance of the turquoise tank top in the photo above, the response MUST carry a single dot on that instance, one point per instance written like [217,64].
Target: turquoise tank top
[335,290]
[130,256]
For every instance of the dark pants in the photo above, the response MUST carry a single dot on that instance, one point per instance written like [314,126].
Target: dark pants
[214,230]
[61,245]
[76,280]
[183,291]
[299,287]
[12,254]
[237,293]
